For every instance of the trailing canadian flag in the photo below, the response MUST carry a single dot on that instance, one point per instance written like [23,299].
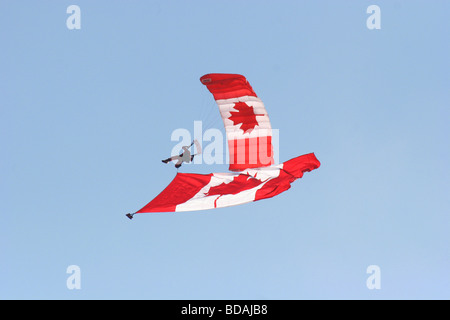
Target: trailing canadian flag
[191,191]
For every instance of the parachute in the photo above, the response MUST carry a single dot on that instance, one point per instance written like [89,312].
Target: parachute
[245,118]
[253,176]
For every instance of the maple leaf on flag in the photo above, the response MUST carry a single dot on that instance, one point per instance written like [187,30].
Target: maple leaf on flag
[244,116]
[240,183]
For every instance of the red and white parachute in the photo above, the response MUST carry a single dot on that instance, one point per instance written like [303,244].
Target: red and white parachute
[245,118]
[249,136]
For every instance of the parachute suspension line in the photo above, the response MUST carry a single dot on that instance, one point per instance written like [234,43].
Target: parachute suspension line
[203,108]
[209,115]
[213,119]
[203,114]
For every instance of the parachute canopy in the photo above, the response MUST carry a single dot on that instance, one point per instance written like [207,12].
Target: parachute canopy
[245,118]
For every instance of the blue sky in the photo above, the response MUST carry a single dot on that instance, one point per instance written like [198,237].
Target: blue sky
[86,116]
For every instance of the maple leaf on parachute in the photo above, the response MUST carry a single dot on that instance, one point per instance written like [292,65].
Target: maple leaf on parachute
[245,116]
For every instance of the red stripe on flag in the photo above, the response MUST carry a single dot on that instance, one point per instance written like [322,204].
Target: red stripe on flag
[292,170]
[250,153]
[299,165]
[180,190]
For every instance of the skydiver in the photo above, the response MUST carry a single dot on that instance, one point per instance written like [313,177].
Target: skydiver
[183,157]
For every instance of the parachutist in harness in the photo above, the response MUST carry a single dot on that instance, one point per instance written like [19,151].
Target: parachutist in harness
[183,157]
